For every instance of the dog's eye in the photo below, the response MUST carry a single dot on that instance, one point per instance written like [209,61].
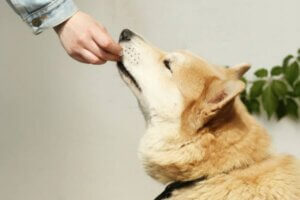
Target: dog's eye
[167,65]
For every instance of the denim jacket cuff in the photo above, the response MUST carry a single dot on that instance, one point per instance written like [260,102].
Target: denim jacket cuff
[51,15]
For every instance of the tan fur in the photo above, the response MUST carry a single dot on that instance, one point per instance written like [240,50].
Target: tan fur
[218,138]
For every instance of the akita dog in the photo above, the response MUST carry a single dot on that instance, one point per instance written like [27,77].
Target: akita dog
[200,138]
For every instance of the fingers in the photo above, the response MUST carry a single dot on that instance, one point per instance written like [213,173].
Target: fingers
[91,53]
[85,56]
[103,39]
[87,41]
[96,50]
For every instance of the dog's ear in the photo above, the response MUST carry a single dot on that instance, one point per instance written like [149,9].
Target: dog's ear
[218,95]
[237,71]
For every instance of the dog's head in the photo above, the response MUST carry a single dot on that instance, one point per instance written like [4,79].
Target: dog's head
[196,125]
[176,86]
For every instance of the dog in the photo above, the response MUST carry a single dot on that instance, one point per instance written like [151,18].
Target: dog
[200,137]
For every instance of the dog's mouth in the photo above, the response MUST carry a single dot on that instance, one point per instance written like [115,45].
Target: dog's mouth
[126,73]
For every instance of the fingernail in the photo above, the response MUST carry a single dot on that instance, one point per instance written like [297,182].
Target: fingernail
[121,53]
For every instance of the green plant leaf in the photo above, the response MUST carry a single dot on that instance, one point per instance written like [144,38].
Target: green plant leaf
[269,101]
[292,107]
[262,72]
[276,70]
[279,88]
[286,61]
[297,89]
[281,110]
[243,96]
[291,93]
[291,73]
[257,88]
[254,106]
[277,94]
[247,104]
[244,80]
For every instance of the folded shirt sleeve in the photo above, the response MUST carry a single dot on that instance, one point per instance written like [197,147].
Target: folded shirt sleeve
[43,14]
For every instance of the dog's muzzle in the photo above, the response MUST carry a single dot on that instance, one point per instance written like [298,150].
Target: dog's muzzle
[126,36]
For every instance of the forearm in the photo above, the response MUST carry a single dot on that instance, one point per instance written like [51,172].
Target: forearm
[43,14]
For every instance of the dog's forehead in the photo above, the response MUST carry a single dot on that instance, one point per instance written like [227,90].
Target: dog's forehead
[177,56]
[187,59]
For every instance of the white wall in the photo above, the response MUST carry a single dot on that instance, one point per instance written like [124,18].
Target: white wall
[70,131]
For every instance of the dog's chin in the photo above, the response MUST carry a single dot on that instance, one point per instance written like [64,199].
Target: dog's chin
[128,76]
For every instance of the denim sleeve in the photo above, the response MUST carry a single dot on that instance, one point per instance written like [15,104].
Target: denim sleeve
[43,14]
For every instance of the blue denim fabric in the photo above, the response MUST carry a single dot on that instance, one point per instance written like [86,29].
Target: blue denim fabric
[43,14]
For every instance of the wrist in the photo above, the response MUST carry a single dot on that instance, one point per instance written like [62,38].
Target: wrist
[59,27]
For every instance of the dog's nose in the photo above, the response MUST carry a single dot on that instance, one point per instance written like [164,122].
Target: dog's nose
[126,35]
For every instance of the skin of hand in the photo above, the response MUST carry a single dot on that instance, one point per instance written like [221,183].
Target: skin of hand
[87,41]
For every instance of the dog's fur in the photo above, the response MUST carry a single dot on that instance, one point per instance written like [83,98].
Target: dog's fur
[197,126]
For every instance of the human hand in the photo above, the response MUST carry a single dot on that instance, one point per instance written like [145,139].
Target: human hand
[87,41]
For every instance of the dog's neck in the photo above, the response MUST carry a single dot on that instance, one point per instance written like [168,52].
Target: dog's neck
[234,141]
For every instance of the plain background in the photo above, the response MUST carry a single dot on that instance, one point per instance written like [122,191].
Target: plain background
[70,131]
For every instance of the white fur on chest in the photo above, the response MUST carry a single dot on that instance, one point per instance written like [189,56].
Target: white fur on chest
[155,148]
